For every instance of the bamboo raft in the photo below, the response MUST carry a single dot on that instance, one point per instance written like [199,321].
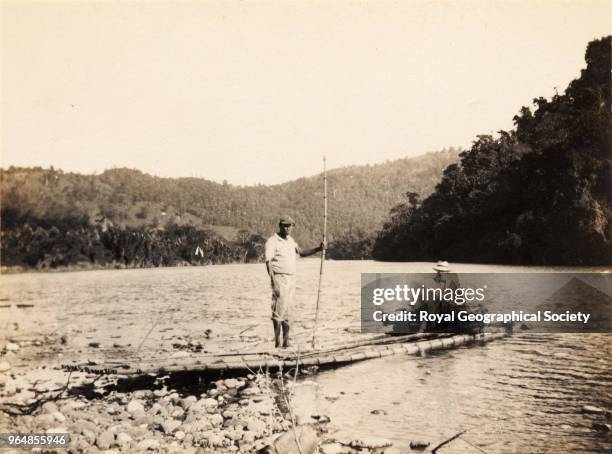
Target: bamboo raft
[339,354]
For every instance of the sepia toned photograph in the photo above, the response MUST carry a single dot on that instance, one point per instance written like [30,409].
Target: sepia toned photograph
[306,227]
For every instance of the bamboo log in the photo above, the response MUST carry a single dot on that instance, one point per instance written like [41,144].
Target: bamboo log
[342,356]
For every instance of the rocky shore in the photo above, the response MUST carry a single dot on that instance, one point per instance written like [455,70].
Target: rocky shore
[245,414]
[231,415]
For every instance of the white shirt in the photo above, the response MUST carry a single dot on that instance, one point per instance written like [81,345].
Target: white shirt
[281,253]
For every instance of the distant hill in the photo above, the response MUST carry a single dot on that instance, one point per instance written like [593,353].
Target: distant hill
[360,198]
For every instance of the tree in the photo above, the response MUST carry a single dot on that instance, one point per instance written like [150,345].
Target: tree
[539,194]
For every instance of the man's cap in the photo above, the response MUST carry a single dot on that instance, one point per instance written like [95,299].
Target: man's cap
[442,266]
[286,219]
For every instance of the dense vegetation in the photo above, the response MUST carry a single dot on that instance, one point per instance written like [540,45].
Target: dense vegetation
[126,218]
[539,194]
[70,240]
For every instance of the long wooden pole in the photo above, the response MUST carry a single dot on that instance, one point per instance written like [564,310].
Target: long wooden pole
[314,331]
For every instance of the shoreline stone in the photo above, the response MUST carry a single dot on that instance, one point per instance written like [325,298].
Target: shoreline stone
[231,415]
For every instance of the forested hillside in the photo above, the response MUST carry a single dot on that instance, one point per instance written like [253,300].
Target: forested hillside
[42,208]
[539,194]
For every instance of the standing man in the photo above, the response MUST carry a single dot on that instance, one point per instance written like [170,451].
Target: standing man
[281,252]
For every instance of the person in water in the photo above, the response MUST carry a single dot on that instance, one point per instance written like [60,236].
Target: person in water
[280,256]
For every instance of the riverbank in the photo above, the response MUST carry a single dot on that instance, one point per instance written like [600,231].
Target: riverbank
[228,416]
[87,266]
[186,414]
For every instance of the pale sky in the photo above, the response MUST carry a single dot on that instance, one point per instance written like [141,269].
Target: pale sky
[260,91]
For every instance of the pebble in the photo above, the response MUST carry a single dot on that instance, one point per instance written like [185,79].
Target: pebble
[4,366]
[228,414]
[155,409]
[220,386]
[170,425]
[232,383]
[419,444]
[188,402]
[178,412]
[143,420]
[212,392]
[160,392]
[186,427]
[149,443]
[216,419]
[210,402]
[252,391]
[198,407]
[201,439]
[321,419]
[201,425]
[248,436]
[216,441]
[136,409]
[83,425]
[158,420]
[257,426]
[136,432]
[188,441]
[123,439]
[180,435]
[105,440]
[370,443]
[89,436]
[234,435]
[238,423]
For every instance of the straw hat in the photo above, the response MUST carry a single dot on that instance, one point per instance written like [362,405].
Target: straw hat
[442,266]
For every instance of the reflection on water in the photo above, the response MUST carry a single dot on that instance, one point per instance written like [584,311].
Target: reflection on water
[522,394]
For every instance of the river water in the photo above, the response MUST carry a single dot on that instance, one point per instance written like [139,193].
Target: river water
[521,394]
